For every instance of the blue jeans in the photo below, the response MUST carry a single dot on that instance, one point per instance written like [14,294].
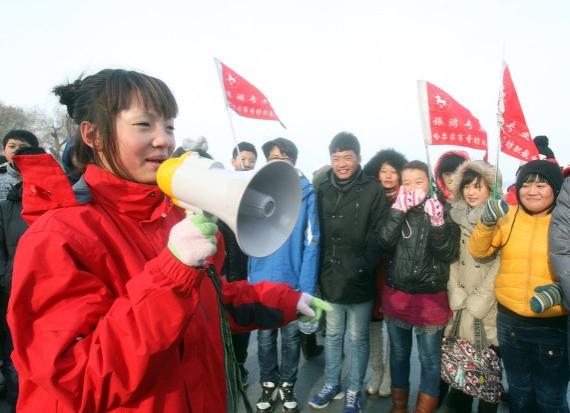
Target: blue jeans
[354,318]
[429,349]
[536,364]
[269,369]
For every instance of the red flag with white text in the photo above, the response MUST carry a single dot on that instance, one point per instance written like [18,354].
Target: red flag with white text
[515,137]
[244,98]
[447,122]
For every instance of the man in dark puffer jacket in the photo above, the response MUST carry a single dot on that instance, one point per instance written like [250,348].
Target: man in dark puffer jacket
[351,206]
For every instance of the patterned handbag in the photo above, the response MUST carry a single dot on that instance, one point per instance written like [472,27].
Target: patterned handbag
[474,369]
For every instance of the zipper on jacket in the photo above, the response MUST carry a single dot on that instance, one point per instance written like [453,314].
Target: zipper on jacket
[528,273]
[358,190]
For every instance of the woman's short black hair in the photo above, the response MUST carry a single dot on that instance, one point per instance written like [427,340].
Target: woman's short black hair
[390,156]
[469,176]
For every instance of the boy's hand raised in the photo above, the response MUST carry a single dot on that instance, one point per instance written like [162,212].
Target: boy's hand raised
[408,199]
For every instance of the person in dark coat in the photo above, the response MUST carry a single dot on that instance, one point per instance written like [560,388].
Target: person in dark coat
[386,166]
[351,206]
[235,264]
[12,227]
[12,141]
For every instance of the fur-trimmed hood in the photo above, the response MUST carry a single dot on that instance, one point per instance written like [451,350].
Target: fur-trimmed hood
[486,170]
[437,169]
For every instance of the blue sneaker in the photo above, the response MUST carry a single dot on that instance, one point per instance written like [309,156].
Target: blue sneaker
[352,402]
[324,397]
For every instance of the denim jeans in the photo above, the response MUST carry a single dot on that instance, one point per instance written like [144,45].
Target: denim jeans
[536,364]
[429,349]
[354,318]
[269,369]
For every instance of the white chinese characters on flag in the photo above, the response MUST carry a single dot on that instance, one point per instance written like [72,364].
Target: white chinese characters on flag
[244,98]
[447,122]
[515,137]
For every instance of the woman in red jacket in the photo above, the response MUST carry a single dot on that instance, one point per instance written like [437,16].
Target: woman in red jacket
[112,309]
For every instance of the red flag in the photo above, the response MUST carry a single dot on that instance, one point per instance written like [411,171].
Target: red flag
[515,137]
[447,122]
[244,98]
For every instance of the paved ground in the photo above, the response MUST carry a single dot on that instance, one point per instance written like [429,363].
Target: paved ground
[311,378]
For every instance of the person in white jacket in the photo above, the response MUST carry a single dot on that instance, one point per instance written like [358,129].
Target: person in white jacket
[470,289]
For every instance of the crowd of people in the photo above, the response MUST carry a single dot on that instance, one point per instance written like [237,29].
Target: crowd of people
[114,299]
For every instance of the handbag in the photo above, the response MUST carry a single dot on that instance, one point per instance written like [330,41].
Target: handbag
[473,368]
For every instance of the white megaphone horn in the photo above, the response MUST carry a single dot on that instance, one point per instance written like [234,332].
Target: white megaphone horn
[261,207]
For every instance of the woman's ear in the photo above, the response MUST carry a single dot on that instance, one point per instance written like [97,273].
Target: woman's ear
[89,135]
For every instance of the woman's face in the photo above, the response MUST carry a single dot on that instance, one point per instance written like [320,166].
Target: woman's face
[536,197]
[476,192]
[388,176]
[145,139]
[415,179]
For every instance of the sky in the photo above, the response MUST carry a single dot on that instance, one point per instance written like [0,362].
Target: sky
[325,65]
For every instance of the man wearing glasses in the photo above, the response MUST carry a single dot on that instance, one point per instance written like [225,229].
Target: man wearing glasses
[295,263]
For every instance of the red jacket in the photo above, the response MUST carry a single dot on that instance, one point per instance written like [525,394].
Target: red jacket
[104,318]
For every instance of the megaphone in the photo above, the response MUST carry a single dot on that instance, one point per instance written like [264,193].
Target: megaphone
[261,207]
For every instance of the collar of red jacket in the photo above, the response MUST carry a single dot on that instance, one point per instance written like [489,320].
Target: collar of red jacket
[140,201]
[46,187]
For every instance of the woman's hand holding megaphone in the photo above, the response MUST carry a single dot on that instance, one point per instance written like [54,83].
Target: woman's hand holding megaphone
[193,240]
[311,308]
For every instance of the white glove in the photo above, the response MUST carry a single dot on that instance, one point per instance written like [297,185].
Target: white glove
[193,240]
[311,308]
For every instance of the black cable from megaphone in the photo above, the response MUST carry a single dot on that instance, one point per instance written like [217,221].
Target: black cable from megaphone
[233,378]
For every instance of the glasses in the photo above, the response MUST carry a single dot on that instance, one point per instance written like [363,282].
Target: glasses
[278,158]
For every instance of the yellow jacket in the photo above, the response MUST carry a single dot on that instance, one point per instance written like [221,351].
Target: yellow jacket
[524,259]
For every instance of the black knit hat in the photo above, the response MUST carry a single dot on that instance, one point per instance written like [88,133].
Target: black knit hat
[546,169]
[542,147]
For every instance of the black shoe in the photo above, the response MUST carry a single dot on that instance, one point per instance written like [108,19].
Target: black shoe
[268,397]
[288,399]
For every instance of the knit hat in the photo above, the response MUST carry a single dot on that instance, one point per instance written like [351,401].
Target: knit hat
[566,171]
[544,168]
[541,143]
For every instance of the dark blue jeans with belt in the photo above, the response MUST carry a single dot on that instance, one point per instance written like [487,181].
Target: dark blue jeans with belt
[534,353]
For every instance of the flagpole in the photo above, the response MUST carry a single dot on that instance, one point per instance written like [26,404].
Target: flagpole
[500,123]
[424,120]
[221,79]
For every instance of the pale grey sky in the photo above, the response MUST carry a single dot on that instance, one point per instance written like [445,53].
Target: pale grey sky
[325,65]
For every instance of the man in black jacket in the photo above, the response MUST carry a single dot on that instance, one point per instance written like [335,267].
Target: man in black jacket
[351,206]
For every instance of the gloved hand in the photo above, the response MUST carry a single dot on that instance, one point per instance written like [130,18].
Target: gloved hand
[546,296]
[408,199]
[193,239]
[434,209]
[494,210]
[311,308]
